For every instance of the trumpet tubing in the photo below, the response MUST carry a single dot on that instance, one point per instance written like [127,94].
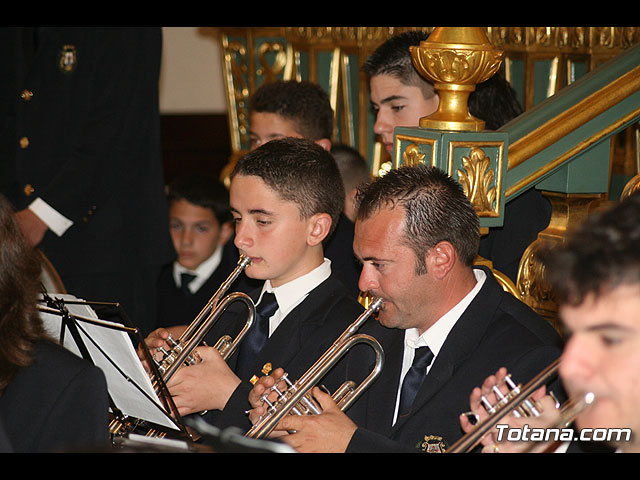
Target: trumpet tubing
[181,351]
[297,399]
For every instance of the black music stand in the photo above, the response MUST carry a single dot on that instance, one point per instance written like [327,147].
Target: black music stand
[110,346]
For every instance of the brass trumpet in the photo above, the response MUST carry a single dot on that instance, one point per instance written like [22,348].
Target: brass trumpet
[181,350]
[297,400]
[519,402]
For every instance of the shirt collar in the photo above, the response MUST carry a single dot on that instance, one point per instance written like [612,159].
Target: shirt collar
[202,273]
[292,293]
[435,336]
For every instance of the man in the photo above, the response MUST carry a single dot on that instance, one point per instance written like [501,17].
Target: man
[81,161]
[417,235]
[400,97]
[595,276]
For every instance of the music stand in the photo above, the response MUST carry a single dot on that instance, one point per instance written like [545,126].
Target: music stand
[109,346]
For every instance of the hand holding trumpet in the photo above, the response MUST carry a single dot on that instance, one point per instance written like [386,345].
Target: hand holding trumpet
[327,432]
[493,391]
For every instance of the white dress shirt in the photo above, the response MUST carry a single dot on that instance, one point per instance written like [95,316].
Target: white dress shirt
[202,273]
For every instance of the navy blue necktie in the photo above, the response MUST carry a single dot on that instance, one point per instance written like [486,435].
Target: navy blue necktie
[414,377]
[257,336]
[185,280]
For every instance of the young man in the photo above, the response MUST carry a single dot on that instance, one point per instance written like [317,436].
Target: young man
[595,276]
[200,224]
[400,97]
[285,198]
[417,235]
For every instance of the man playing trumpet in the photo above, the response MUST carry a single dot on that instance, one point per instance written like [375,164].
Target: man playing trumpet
[417,236]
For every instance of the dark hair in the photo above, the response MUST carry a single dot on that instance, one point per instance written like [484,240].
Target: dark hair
[436,209]
[20,270]
[393,57]
[599,255]
[354,169]
[203,191]
[306,104]
[299,171]
[494,101]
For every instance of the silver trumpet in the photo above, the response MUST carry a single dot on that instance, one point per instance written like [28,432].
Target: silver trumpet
[519,402]
[181,350]
[297,400]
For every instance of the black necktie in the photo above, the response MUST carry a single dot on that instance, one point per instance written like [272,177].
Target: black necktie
[185,280]
[414,377]
[257,336]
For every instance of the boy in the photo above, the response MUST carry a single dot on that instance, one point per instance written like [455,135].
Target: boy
[290,109]
[200,226]
[296,109]
[285,197]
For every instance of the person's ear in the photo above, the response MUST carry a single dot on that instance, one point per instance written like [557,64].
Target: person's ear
[441,259]
[320,226]
[324,143]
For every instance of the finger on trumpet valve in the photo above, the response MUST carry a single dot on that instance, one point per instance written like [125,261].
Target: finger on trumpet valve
[514,388]
[487,405]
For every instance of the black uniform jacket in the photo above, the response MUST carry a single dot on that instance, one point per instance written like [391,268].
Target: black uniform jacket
[58,404]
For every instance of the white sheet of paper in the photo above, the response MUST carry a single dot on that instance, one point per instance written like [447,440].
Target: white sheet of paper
[110,348]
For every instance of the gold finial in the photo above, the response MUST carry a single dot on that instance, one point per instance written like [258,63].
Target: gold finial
[455,59]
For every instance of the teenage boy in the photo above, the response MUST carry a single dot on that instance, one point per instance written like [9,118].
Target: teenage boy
[200,224]
[285,198]
[290,108]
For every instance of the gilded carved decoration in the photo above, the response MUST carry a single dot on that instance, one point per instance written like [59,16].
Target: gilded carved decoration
[476,178]
[413,156]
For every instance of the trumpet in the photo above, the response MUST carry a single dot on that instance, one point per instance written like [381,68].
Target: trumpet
[181,350]
[519,402]
[297,400]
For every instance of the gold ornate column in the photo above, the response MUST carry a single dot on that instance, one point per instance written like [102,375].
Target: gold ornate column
[568,211]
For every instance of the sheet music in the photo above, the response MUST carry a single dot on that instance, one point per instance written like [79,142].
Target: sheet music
[121,381]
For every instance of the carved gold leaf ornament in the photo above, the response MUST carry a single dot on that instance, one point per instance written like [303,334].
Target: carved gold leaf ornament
[476,179]
[413,156]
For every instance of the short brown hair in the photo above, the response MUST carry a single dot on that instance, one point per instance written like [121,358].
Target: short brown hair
[300,171]
[436,209]
[306,104]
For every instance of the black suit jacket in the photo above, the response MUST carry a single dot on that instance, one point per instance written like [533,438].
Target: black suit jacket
[86,139]
[59,403]
[303,336]
[496,330]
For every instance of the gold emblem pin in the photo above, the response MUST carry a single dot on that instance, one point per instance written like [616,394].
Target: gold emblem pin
[433,444]
[266,368]
[67,59]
